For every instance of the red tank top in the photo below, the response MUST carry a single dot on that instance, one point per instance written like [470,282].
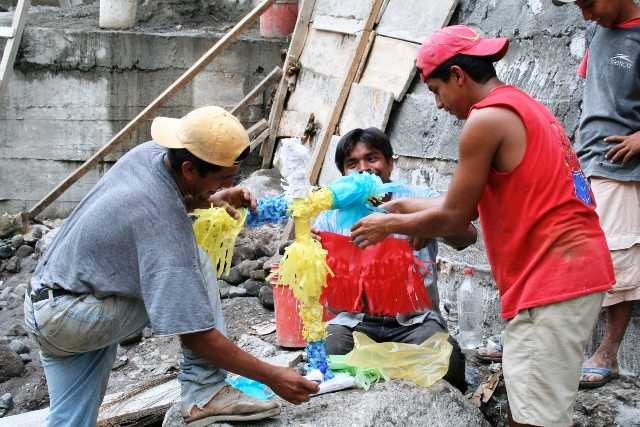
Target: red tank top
[542,235]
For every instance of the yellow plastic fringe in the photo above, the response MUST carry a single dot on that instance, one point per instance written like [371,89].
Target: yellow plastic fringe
[304,268]
[216,232]
[320,200]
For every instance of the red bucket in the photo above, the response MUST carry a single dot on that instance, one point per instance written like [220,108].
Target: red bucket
[288,321]
[279,20]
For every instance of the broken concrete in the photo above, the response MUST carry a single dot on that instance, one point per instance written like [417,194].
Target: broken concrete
[393,403]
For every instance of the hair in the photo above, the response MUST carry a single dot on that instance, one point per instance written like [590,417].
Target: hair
[479,68]
[372,137]
[177,156]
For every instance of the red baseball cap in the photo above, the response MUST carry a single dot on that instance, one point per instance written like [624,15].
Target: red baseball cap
[447,42]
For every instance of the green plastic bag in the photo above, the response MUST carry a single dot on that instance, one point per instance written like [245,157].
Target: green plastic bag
[364,376]
[423,364]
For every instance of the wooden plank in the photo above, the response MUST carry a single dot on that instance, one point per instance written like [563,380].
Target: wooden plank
[382,9]
[259,140]
[257,129]
[366,106]
[356,9]
[324,138]
[365,55]
[295,49]
[414,20]
[7,32]
[274,75]
[293,123]
[12,45]
[141,118]
[391,65]
[335,24]
[329,171]
[152,401]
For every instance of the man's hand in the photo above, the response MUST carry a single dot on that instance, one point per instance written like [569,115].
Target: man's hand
[418,243]
[370,230]
[627,147]
[290,386]
[235,197]
[315,234]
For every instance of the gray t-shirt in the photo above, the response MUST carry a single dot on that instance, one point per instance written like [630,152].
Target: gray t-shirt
[131,236]
[611,100]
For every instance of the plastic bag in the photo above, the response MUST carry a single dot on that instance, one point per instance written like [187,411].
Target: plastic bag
[252,388]
[423,364]
[364,376]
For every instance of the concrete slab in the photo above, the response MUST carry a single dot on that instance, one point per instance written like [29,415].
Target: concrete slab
[353,9]
[366,106]
[414,20]
[391,65]
[327,53]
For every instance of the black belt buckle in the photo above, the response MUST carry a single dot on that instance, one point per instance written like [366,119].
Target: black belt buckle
[43,293]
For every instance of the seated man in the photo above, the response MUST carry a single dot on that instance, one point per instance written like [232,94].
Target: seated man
[370,150]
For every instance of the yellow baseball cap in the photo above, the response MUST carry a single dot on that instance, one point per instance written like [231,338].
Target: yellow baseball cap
[210,133]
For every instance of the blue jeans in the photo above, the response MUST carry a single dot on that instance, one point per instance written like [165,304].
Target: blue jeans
[78,337]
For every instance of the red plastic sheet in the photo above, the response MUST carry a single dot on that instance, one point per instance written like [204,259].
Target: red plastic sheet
[386,274]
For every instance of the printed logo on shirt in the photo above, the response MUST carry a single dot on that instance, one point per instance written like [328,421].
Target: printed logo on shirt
[572,165]
[621,60]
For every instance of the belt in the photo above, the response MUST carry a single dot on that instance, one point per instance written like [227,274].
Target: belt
[43,293]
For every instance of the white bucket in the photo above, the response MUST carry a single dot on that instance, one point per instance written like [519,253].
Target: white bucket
[118,14]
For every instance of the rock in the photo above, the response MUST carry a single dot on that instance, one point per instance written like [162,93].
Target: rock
[6,401]
[273,260]
[11,365]
[264,182]
[14,301]
[19,346]
[252,287]
[5,293]
[242,253]
[147,332]
[17,241]
[119,363]
[45,241]
[131,339]
[234,277]
[286,359]
[13,265]
[247,266]
[284,246]
[393,403]
[5,251]
[235,292]
[256,347]
[26,358]
[24,251]
[16,330]
[3,305]
[36,231]
[224,289]
[261,250]
[31,241]
[265,296]
[21,289]
[258,275]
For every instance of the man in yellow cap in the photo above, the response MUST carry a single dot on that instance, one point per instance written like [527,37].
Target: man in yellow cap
[127,256]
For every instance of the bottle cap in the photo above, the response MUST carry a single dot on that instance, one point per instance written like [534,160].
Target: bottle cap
[468,270]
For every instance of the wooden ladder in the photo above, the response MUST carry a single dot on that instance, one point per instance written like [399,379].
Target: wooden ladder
[13,34]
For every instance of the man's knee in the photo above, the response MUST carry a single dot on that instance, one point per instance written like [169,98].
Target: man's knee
[340,339]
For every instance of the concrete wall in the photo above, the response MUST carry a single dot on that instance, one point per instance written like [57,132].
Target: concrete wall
[73,89]
[547,44]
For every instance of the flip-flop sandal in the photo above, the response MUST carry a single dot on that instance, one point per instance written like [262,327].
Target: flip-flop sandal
[486,358]
[606,373]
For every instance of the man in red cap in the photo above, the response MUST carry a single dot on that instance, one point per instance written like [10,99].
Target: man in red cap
[608,145]
[549,257]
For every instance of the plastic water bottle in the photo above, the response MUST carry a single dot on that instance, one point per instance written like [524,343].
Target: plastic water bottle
[470,312]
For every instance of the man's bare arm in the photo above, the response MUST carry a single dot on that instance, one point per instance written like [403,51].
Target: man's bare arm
[218,350]
[481,137]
